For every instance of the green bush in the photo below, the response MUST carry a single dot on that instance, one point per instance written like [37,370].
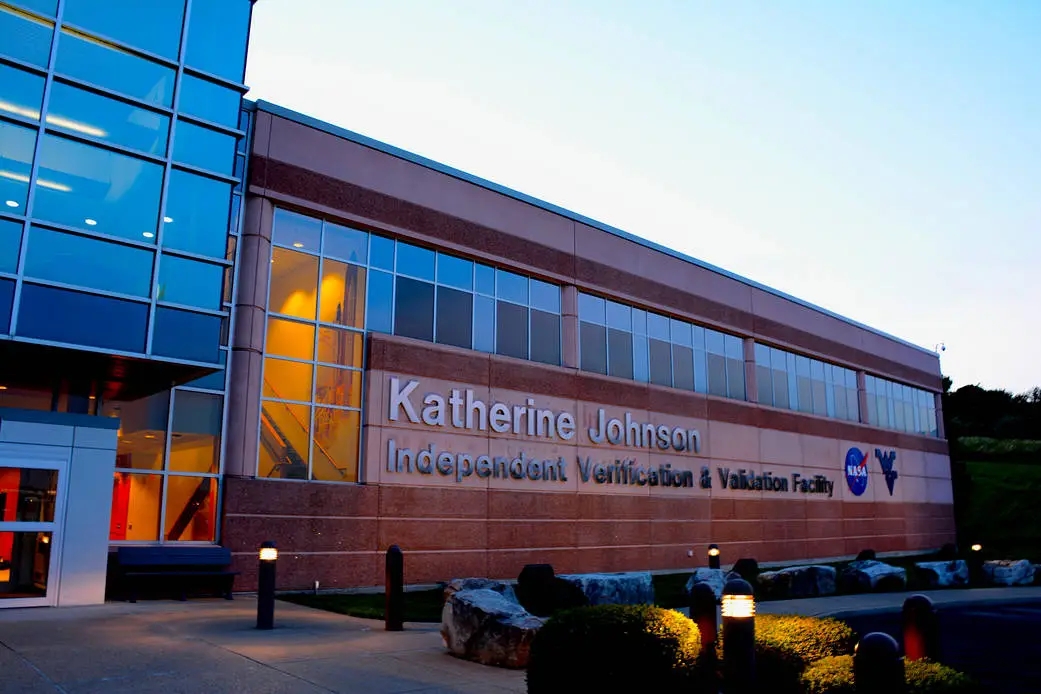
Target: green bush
[834,675]
[614,648]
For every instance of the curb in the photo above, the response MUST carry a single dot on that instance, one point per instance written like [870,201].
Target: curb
[940,607]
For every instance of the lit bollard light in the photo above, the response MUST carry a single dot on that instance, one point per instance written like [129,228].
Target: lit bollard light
[976,565]
[394,589]
[738,637]
[703,612]
[713,556]
[921,629]
[877,665]
[266,586]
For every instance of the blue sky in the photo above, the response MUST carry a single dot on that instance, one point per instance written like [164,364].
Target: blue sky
[881,159]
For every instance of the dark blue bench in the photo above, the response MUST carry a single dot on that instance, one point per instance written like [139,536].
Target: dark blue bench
[178,567]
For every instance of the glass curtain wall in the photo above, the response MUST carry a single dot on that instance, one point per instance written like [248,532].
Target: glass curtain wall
[329,285]
[794,382]
[893,405]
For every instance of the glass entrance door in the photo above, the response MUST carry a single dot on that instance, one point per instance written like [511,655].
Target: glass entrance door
[31,513]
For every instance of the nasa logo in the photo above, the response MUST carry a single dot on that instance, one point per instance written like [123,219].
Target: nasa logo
[856,471]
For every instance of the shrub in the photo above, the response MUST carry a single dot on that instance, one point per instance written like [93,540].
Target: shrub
[614,648]
[747,569]
[834,675]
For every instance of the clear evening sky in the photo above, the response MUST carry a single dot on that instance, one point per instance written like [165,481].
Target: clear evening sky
[880,159]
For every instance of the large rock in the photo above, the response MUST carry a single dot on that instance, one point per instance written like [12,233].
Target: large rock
[1009,573]
[635,588]
[501,587]
[715,578]
[798,582]
[944,574]
[486,627]
[867,575]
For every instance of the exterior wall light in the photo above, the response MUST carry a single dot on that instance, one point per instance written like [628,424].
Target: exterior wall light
[738,613]
[713,556]
[266,585]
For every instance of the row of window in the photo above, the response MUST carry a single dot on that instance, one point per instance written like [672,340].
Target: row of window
[892,405]
[795,382]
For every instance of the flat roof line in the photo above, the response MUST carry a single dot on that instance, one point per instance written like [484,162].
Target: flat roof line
[358,138]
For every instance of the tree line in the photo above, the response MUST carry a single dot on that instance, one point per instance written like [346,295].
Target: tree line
[972,411]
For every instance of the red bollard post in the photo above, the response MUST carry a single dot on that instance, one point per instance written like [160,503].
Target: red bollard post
[921,629]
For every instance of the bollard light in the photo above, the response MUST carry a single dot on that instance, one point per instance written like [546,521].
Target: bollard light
[394,590]
[877,665]
[976,547]
[268,556]
[921,629]
[738,613]
[703,612]
[713,556]
[976,565]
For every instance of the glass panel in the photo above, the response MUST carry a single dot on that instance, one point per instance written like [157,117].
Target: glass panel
[336,437]
[10,244]
[735,348]
[839,398]
[820,406]
[717,375]
[72,259]
[186,335]
[196,218]
[380,306]
[545,337]
[455,272]
[21,92]
[592,309]
[285,438]
[511,330]
[16,159]
[76,318]
[781,388]
[661,361]
[619,316]
[209,101]
[217,34]
[205,148]
[658,327]
[345,243]
[715,342]
[454,317]
[287,380]
[154,26]
[296,230]
[545,296]
[27,495]
[25,559]
[620,352]
[25,38]
[195,437]
[289,339]
[96,189]
[511,287]
[641,359]
[189,282]
[415,261]
[381,252]
[101,63]
[191,509]
[762,355]
[682,367]
[342,294]
[484,280]
[342,347]
[47,7]
[6,304]
[484,323]
[853,404]
[764,384]
[639,321]
[142,430]
[294,283]
[593,342]
[338,387]
[414,309]
[215,381]
[736,379]
[680,333]
[107,119]
[701,368]
[135,507]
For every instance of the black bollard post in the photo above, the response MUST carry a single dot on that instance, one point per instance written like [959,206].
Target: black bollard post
[703,612]
[921,629]
[877,665]
[394,586]
[738,612]
[713,556]
[266,586]
[975,563]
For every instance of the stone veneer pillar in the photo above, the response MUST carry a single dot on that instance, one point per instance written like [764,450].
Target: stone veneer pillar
[751,383]
[247,343]
[569,326]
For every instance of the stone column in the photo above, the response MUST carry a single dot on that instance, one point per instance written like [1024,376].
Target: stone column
[569,326]
[247,342]
[862,395]
[751,383]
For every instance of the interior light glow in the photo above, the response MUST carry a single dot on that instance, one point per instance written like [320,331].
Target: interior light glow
[79,127]
[147,234]
[298,245]
[22,178]
[91,222]
[3,387]
[11,203]
[168,220]
[19,110]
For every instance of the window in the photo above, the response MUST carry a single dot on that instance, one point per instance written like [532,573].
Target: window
[205,148]
[196,431]
[87,113]
[103,64]
[791,381]
[10,243]
[209,101]
[87,262]
[414,309]
[893,405]
[48,313]
[186,335]
[190,282]
[16,161]
[21,92]
[217,33]
[154,25]
[26,38]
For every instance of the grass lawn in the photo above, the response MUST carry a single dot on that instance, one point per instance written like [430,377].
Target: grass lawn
[1001,511]
[420,605]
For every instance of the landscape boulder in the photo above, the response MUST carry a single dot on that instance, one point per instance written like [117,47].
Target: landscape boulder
[542,593]
[633,588]
[1009,572]
[798,582]
[501,587]
[715,578]
[746,568]
[486,627]
[861,576]
[944,574]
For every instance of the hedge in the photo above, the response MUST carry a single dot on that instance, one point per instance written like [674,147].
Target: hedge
[834,675]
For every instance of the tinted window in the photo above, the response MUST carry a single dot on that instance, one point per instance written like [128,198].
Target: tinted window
[381,252]
[455,272]
[511,287]
[380,305]
[76,318]
[545,296]
[215,381]
[414,309]
[185,335]
[682,367]
[342,294]
[661,362]
[205,148]
[6,304]
[344,243]
[25,38]
[619,316]
[484,280]
[154,25]
[641,359]
[16,160]
[107,119]
[415,261]
[115,69]
[545,337]
[96,189]
[72,259]
[620,350]
[591,308]
[484,323]
[189,282]
[593,340]
[209,101]
[511,330]
[294,283]
[197,210]
[47,7]
[296,230]
[717,375]
[454,317]
[21,92]
[10,243]
[217,33]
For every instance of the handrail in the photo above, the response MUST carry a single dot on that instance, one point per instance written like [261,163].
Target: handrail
[306,428]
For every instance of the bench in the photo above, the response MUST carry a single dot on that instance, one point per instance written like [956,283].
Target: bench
[176,566]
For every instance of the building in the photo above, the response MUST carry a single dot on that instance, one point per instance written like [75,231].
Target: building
[375,349]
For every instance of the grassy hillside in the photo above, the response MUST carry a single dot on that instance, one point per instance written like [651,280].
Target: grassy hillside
[1000,507]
